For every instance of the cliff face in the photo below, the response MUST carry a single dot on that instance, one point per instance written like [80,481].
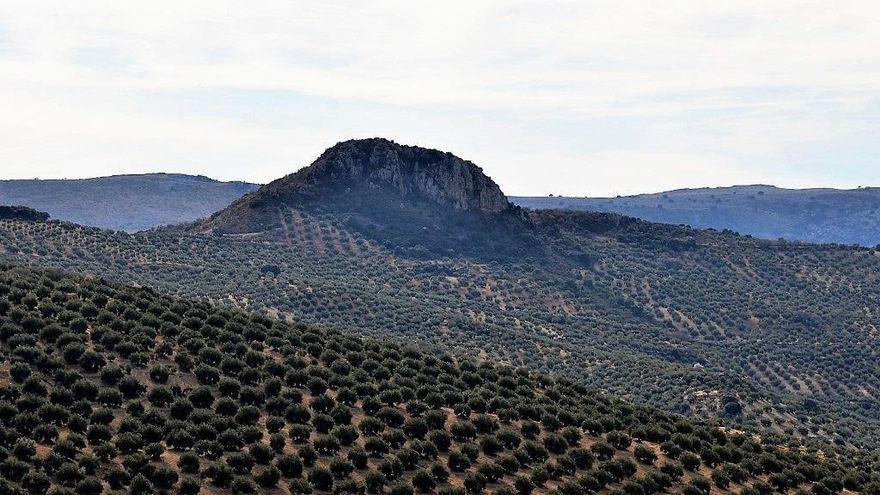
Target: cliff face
[409,171]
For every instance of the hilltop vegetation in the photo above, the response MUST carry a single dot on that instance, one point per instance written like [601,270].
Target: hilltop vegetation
[22,213]
[118,389]
[811,215]
[125,202]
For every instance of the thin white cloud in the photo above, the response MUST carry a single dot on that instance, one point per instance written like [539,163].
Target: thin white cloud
[96,87]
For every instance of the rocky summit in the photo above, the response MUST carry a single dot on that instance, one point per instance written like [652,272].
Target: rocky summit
[401,196]
[409,171]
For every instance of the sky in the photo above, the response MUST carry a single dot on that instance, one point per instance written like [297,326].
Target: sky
[584,98]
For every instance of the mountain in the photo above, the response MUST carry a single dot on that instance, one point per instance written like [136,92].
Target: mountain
[779,336]
[125,202]
[810,215]
[108,388]
[406,197]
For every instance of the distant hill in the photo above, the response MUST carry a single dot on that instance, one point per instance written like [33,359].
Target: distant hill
[408,198]
[811,215]
[125,202]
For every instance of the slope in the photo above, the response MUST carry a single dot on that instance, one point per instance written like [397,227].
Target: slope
[692,321]
[118,389]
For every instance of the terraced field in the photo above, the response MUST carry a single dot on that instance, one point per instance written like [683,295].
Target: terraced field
[764,334]
[119,389]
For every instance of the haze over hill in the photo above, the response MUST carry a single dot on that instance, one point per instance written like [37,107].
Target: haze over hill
[125,202]
[810,215]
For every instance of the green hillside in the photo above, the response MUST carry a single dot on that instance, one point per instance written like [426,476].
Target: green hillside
[779,335]
[418,246]
[119,389]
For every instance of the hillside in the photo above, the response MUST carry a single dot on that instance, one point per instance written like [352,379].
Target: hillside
[810,215]
[125,202]
[766,334]
[119,389]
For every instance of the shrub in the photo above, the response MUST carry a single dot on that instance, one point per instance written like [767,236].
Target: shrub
[720,479]
[268,477]
[374,481]
[321,478]
[290,466]
[458,461]
[690,461]
[358,457]
[474,483]
[423,481]
[644,455]
[401,489]
[189,486]
[341,468]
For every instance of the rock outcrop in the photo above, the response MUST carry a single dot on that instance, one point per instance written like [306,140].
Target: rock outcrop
[412,200]
[410,171]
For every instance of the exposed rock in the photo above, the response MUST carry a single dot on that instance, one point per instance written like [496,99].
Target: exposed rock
[410,171]
[413,200]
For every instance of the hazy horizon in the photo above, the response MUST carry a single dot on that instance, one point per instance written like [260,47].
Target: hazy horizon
[566,98]
[649,192]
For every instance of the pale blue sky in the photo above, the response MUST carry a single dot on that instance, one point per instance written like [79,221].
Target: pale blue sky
[578,98]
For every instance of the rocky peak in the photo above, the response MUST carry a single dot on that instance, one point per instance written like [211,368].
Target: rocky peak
[407,170]
[410,199]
